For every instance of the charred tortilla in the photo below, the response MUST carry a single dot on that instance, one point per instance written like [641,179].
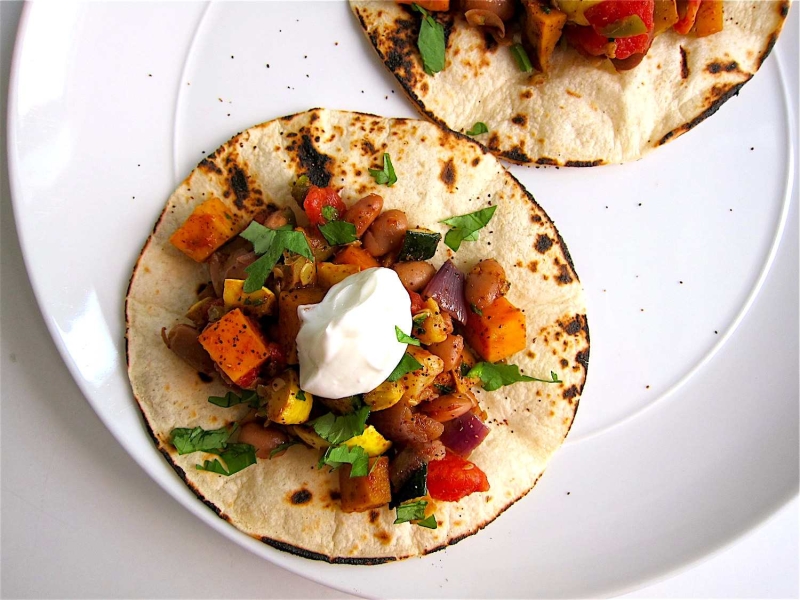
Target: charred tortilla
[582,113]
[287,502]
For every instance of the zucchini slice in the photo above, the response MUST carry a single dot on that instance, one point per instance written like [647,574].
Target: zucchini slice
[419,244]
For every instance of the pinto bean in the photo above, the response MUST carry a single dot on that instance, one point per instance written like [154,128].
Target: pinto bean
[386,233]
[364,212]
[182,340]
[400,424]
[485,283]
[415,275]
[448,407]
[265,439]
[449,351]
[502,8]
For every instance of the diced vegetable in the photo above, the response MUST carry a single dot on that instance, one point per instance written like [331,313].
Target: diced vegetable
[432,329]
[289,322]
[385,395]
[447,288]
[236,344]
[416,381]
[541,30]
[259,303]
[431,5]
[419,244]
[209,226]
[416,486]
[665,15]
[310,437]
[198,312]
[288,404]
[354,255]
[453,478]
[363,493]
[498,332]
[709,18]
[329,274]
[463,434]
[318,198]
[300,189]
[341,406]
[373,443]
[687,13]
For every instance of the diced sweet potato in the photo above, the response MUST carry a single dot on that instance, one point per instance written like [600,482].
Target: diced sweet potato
[329,274]
[541,30]
[709,18]
[665,15]
[208,227]
[431,5]
[497,333]
[416,381]
[259,303]
[289,322]
[236,344]
[364,493]
[353,255]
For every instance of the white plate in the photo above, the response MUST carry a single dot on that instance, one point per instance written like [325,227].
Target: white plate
[687,434]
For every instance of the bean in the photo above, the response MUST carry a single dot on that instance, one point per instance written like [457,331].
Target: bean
[415,275]
[364,212]
[485,283]
[448,407]
[449,351]
[386,233]
[504,9]
[265,439]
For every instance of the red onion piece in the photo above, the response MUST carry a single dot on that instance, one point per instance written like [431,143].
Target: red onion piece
[463,434]
[447,288]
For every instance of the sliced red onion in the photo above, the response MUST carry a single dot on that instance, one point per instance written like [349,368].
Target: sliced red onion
[447,288]
[463,434]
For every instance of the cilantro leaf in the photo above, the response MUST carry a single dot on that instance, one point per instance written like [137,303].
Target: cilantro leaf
[405,339]
[429,523]
[336,456]
[407,364]
[300,395]
[430,42]
[415,512]
[198,439]
[465,227]
[270,245]
[336,430]
[476,310]
[236,457]
[231,399]
[519,54]
[282,447]
[495,375]
[338,232]
[330,213]
[478,129]
[386,175]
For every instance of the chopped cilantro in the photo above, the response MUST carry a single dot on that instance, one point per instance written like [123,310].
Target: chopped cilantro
[495,375]
[270,244]
[336,430]
[386,175]
[198,439]
[405,339]
[464,228]
[235,456]
[282,447]
[519,54]
[330,213]
[338,232]
[407,364]
[478,129]
[336,456]
[414,512]
[231,399]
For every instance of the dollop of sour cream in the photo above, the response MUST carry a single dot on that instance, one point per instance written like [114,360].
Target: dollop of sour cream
[347,343]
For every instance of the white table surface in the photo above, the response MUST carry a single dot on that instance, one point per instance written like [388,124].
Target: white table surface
[73,503]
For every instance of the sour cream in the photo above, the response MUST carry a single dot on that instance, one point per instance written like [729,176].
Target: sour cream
[347,343]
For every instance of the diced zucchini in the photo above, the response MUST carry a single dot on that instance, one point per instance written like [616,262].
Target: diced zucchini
[415,487]
[209,226]
[363,493]
[498,332]
[329,274]
[309,436]
[385,395]
[416,381]
[236,344]
[259,303]
[373,443]
[419,244]
[288,404]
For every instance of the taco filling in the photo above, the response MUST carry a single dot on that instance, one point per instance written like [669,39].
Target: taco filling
[341,335]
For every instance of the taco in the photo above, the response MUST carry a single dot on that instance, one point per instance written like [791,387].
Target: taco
[310,462]
[581,111]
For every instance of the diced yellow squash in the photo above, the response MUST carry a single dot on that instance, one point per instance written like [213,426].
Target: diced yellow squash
[541,30]
[288,404]
[259,303]
[289,322]
[373,443]
[198,312]
[363,493]
[355,255]
[497,333]
[414,382]
[385,395]
[329,274]
[309,436]
[665,15]
[433,328]
[209,226]
[709,18]
[236,344]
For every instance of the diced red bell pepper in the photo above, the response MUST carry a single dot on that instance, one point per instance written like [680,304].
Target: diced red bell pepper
[417,303]
[316,199]
[453,478]
[609,12]
[591,41]
[687,11]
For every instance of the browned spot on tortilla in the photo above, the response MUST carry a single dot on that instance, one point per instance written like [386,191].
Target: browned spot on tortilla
[208,165]
[544,160]
[564,363]
[384,536]
[584,163]
[204,377]
[543,243]
[564,276]
[533,266]
[334,495]
[582,357]
[570,392]
[373,516]
[424,87]
[719,67]
[368,148]
[573,94]
[530,354]
[238,181]
[684,63]
[448,174]
[314,162]
[301,496]
[494,142]
[575,326]
[476,161]
[516,155]
[526,95]
[519,119]
[536,218]
[770,45]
